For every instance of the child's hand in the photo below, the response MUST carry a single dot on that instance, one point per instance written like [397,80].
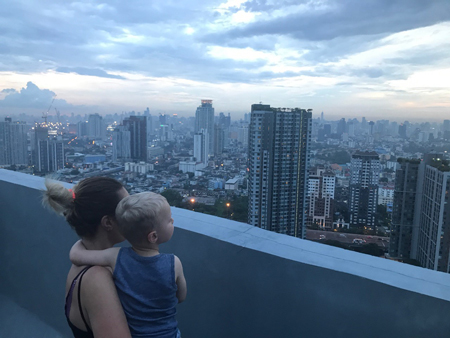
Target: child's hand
[77,250]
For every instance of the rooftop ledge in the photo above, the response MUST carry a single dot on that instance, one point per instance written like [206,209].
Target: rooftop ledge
[267,281]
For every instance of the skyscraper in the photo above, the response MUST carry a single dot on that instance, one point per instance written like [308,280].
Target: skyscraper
[47,153]
[201,144]
[13,142]
[321,187]
[279,140]
[96,129]
[219,142]
[204,119]
[121,144]
[406,205]
[434,222]
[365,173]
[137,125]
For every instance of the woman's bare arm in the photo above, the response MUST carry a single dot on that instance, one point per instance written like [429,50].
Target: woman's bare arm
[102,305]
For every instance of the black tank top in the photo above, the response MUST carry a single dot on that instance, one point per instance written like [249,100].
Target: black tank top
[77,333]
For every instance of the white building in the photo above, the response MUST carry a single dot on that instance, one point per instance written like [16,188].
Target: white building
[141,167]
[386,195]
[189,166]
[232,184]
[201,147]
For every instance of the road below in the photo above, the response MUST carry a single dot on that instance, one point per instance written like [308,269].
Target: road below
[320,235]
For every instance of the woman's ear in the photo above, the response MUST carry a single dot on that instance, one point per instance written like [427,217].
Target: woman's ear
[106,223]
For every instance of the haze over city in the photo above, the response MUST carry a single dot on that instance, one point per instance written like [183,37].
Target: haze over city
[378,59]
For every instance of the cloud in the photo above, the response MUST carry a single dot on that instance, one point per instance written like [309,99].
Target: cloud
[317,20]
[262,43]
[31,97]
[88,71]
[9,90]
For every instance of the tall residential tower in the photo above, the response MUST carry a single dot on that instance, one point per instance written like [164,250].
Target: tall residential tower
[365,173]
[204,119]
[279,140]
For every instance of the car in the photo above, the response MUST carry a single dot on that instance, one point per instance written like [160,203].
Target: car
[322,237]
[369,237]
[342,235]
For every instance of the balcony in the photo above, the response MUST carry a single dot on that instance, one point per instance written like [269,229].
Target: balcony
[242,281]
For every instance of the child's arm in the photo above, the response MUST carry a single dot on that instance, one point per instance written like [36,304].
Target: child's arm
[180,280]
[79,255]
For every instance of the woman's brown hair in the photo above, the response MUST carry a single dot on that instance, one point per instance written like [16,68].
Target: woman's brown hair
[85,204]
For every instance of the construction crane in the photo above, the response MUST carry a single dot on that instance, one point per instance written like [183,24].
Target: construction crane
[45,115]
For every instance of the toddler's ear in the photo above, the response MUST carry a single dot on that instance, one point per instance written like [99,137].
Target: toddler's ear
[152,237]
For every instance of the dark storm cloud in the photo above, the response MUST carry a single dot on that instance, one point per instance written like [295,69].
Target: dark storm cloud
[88,71]
[342,18]
[32,97]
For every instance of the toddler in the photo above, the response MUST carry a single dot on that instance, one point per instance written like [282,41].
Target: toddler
[149,283]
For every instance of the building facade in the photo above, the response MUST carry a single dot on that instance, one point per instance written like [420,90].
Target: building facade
[13,142]
[137,125]
[365,173]
[279,140]
[321,188]
[121,144]
[434,221]
[204,119]
[96,127]
[201,147]
[406,204]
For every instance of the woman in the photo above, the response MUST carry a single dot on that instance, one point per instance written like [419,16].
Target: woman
[92,306]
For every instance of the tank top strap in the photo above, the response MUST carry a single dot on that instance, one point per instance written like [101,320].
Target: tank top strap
[79,298]
[70,293]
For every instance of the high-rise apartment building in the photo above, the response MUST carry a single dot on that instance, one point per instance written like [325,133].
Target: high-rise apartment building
[434,223]
[201,145]
[137,125]
[219,142]
[13,142]
[321,188]
[405,209]
[421,214]
[279,141]
[242,135]
[365,173]
[82,129]
[121,144]
[47,153]
[204,119]
[96,128]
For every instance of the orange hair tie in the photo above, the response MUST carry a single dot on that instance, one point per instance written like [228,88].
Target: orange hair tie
[73,194]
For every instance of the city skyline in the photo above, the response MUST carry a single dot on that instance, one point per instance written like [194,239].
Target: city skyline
[349,59]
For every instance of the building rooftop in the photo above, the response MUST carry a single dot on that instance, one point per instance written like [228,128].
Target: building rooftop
[242,281]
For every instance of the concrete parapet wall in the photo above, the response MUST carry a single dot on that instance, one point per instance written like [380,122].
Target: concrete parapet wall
[242,281]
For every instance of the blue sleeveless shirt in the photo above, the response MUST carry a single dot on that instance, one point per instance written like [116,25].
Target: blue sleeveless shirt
[147,290]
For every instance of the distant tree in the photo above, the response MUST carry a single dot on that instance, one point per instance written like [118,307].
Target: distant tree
[384,180]
[371,249]
[173,197]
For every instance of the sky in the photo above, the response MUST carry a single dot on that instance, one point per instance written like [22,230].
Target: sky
[382,59]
